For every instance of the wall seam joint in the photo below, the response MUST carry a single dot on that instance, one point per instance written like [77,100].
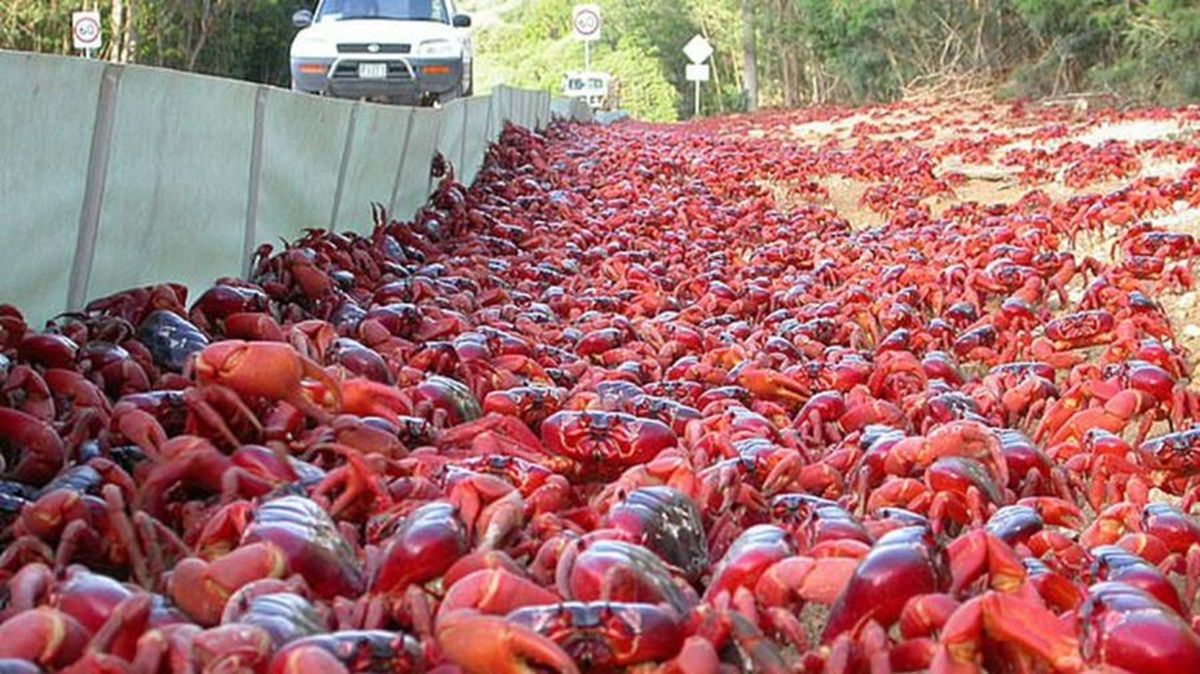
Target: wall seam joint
[346,150]
[492,132]
[437,135]
[400,168]
[95,182]
[252,195]
[462,146]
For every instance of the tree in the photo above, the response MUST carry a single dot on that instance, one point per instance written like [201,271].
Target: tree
[749,56]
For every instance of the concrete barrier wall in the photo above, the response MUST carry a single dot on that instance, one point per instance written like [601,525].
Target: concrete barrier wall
[112,176]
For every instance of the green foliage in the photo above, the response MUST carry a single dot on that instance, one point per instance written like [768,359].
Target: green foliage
[645,92]
[1073,39]
[808,51]
[35,25]
[1162,48]
[534,48]
[258,48]
[877,50]
[245,39]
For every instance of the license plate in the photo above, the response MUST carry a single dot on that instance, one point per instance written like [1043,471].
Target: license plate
[372,71]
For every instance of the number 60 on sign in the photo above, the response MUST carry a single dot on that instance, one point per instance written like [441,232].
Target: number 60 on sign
[85,30]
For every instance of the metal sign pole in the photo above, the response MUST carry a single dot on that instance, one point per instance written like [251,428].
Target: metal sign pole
[698,50]
[585,26]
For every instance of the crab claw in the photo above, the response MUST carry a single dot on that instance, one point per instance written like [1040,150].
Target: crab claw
[773,385]
[804,578]
[45,636]
[307,659]
[496,592]
[42,452]
[981,553]
[201,588]
[363,397]
[1007,618]
[1056,511]
[696,657]
[268,370]
[481,644]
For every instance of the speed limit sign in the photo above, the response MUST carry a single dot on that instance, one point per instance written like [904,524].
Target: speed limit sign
[585,22]
[85,30]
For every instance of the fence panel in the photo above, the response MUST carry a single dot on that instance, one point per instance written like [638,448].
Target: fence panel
[44,156]
[175,194]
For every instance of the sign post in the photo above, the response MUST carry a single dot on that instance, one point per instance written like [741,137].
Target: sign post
[698,72]
[85,32]
[698,50]
[585,26]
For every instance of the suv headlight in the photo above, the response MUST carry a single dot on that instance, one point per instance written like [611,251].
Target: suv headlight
[438,48]
[308,46]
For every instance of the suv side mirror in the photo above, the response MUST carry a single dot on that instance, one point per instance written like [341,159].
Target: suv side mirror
[462,21]
[302,18]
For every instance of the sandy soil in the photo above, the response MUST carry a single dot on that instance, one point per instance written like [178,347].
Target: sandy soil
[992,182]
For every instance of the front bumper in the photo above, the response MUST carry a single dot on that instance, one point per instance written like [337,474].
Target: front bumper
[408,78]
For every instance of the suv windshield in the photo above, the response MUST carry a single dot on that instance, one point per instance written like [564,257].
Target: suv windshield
[399,10]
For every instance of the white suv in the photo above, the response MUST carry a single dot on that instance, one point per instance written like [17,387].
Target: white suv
[399,51]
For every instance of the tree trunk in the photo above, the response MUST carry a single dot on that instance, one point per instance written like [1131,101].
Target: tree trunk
[749,57]
[128,40]
[201,37]
[789,78]
[785,77]
[117,18]
[815,78]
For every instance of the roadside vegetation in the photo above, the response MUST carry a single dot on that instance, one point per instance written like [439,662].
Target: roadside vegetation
[787,53]
[243,39]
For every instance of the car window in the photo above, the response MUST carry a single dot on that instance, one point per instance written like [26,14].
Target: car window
[406,10]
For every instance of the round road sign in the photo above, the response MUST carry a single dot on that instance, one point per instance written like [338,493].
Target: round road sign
[85,30]
[585,22]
